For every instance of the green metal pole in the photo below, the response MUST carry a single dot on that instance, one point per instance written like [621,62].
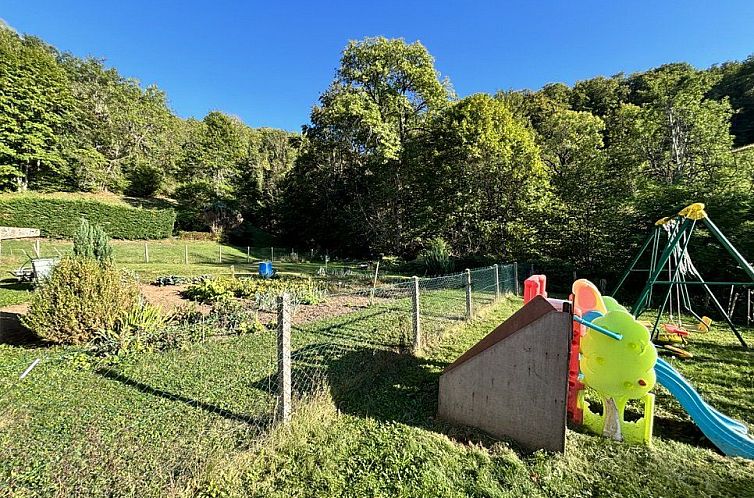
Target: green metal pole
[639,305]
[674,280]
[723,312]
[631,265]
[730,248]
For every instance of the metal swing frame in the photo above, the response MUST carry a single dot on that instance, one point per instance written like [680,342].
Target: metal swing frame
[680,237]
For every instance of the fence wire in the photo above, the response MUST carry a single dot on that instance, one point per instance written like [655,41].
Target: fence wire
[372,328]
[153,412]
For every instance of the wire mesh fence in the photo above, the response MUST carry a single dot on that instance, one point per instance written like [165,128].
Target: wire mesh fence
[220,390]
[386,322]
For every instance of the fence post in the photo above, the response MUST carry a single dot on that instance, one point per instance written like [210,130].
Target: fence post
[233,271]
[469,309]
[515,277]
[146,253]
[497,281]
[272,254]
[185,254]
[284,358]
[415,315]
[220,253]
[247,254]
[37,248]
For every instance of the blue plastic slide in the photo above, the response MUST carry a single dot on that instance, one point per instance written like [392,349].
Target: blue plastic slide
[726,433]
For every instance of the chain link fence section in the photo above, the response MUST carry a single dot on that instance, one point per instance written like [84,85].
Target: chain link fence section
[383,323]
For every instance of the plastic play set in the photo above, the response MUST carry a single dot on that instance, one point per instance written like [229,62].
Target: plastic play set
[599,345]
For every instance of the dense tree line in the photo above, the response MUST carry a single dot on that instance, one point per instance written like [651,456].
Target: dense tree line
[73,124]
[567,176]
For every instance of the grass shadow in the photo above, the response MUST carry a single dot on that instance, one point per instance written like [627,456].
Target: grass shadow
[258,421]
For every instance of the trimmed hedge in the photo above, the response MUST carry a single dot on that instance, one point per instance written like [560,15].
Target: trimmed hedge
[59,217]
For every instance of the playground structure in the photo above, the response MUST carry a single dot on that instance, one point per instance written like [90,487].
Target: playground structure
[516,380]
[672,258]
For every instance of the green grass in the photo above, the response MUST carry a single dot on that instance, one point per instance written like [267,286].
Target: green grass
[166,257]
[188,421]
[377,436]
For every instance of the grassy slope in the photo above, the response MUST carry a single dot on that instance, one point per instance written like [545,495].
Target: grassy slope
[154,423]
[186,422]
[383,440]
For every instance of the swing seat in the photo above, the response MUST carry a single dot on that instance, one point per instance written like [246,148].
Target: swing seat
[666,338]
[672,329]
[704,325]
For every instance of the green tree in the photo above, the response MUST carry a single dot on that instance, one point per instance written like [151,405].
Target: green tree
[209,169]
[35,105]
[120,130]
[485,182]
[362,131]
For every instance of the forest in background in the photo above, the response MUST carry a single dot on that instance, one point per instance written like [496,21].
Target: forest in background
[392,161]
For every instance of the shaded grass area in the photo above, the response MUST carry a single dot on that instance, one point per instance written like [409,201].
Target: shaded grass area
[375,434]
[154,423]
[191,421]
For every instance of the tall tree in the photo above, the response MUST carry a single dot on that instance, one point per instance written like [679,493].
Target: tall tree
[35,105]
[484,183]
[377,105]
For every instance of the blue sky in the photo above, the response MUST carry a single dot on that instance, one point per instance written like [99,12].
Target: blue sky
[267,62]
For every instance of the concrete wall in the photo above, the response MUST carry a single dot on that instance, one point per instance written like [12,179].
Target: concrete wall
[517,387]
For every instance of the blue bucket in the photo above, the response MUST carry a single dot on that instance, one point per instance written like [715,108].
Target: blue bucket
[265,269]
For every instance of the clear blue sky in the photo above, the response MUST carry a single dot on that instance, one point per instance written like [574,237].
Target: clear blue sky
[267,62]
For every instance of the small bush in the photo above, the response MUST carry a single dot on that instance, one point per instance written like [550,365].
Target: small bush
[436,257]
[80,299]
[264,292]
[91,241]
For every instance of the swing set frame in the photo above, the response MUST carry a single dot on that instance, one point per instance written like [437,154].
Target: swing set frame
[676,249]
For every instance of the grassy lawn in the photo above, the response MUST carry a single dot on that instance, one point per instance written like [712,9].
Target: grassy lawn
[189,421]
[375,434]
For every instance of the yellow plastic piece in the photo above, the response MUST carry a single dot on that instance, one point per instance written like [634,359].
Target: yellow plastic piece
[638,432]
[618,370]
[704,325]
[662,221]
[586,297]
[693,211]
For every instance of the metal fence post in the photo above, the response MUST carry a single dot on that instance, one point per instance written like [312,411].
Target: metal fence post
[146,253]
[284,358]
[185,254]
[248,257]
[515,277]
[497,281]
[415,314]
[469,309]
[220,253]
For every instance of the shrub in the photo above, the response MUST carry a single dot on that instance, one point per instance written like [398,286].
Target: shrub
[137,330]
[91,241]
[80,298]
[58,217]
[436,257]
[263,291]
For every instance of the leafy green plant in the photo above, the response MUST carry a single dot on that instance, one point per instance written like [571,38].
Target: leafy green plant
[263,291]
[80,298]
[436,257]
[90,241]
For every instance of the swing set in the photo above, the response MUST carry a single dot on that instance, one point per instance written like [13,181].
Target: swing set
[670,259]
